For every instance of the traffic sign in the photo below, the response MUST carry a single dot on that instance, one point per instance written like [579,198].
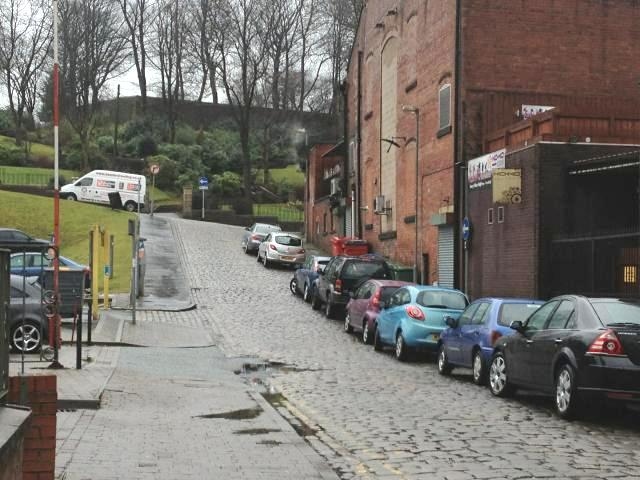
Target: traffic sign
[466,229]
[155,169]
[204,183]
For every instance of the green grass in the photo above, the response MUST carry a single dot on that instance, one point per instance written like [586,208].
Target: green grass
[161,197]
[32,176]
[290,174]
[34,215]
[37,149]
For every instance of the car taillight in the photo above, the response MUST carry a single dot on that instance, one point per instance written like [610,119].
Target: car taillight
[272,246]
[375,300]
[338,288]
[255,237]
[494,336]
[301,251]
[414,312]
[607,343]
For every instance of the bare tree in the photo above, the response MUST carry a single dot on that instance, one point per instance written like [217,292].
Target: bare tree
[135,14]
[170,34]
[204,42]
[93,51]
[25,38]
[243,67]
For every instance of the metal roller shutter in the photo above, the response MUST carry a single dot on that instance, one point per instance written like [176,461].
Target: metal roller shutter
[445,256]
[347,223]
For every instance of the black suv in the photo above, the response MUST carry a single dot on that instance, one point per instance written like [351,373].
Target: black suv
[341,276]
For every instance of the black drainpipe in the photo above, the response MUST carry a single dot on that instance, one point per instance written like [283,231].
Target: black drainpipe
[344,88]
[458,193]
[359,153]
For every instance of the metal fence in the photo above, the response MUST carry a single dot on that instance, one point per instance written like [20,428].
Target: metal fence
[606,265]
[24,178]
[284,212]
[4,323]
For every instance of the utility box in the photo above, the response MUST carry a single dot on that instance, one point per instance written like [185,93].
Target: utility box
[348,246]
[71,283]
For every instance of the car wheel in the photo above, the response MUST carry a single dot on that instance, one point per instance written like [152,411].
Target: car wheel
[315,301]
[329,310]
[293,286]
[479,370]
[130,206]
[265,261]
[377,342]
[26,338]
[347,323]
[498,380]
[401,348]
[366,333]
[566,392]
[444,367]
[72,197]
[306,296]
[246,249]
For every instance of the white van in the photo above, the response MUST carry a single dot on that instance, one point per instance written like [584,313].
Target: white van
[96,186]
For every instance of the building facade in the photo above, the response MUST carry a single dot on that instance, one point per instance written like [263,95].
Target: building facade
[429,80]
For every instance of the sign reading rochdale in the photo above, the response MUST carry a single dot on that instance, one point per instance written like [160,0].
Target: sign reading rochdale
[479,170]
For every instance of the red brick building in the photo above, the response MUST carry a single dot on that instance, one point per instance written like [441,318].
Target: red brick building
[462,69]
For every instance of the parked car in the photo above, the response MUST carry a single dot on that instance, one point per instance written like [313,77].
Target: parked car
[31,264]
[304,277]
[16,240]
[255,234]
[469,340]
[343,275]
[364,306]
[27,322]
[575,348]
[414,318]
[281,248]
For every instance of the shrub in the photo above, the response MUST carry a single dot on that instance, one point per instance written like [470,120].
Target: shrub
[185,135]
[147,146]
[11,155]
[105,144]
[166,178]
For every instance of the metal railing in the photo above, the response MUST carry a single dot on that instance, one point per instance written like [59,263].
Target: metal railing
[24,178]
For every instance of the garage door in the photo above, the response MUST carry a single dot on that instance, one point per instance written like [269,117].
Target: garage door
[445,256]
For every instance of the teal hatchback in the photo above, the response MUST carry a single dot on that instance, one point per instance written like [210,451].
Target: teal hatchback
[414,317]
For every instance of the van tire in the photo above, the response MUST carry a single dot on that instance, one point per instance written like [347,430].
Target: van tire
[72,197]
[130,206]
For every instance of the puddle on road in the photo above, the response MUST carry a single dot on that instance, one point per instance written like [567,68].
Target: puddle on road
[271,366]
[257,431]
[242,414]
[273,443]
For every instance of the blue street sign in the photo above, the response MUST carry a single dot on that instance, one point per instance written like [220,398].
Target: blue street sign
[204,183]
[466,229]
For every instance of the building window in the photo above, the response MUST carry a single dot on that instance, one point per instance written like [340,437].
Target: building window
[500,214]
[332,223]
[630,274]
[490,216]
[324,223]
[445,108]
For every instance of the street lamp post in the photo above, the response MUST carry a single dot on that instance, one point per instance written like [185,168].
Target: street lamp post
[416,112]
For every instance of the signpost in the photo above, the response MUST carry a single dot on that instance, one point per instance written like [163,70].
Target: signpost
[155,169]
[204,185]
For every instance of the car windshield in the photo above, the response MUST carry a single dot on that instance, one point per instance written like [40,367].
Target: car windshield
[386,292]
[512,312]
[354,270]
[266,228]
[617,312]
[288,240]
[441,299]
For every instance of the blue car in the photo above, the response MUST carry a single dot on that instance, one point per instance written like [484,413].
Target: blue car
[414,318]
[303,281]
[469,340]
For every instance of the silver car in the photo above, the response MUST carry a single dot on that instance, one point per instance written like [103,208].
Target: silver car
[283,248]
[253,236]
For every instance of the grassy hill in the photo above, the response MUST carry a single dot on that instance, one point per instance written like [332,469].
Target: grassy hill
[34,215]
[37,149]
[32,176]
[291,174]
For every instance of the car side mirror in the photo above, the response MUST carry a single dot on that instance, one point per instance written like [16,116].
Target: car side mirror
[320,269]
[352,295]
[450,321]
[517,326]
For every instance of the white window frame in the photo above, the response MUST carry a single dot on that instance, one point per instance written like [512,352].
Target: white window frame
[440,124]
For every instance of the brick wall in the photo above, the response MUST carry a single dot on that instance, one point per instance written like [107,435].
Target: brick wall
[40,394]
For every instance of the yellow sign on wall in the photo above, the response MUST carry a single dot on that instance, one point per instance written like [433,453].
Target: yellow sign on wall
[507,185]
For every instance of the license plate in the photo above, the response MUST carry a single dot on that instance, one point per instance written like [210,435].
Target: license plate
[285,257]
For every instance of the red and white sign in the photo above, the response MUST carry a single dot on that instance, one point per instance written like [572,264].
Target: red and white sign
[155,169]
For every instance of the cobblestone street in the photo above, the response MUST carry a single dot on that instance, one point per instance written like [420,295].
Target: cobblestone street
[372,416]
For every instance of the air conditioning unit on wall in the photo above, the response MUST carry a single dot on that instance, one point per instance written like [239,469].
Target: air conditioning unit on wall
[335,186]
[379,205]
